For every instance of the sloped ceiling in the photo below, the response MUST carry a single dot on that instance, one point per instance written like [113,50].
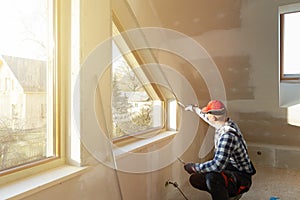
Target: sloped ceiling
[194,17]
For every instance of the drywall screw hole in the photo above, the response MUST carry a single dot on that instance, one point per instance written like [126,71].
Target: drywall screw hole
[259,153]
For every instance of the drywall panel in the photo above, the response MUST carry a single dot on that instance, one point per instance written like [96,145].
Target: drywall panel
[262,156]
[277,156]
[97,183]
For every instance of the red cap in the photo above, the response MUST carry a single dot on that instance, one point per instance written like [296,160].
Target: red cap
[214,107]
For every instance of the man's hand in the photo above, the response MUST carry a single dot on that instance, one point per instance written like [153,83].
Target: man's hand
[189,108]
[190,168]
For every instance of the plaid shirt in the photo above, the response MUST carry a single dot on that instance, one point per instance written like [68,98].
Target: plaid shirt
[229,148]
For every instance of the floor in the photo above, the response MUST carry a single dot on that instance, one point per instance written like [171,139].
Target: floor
[268,182]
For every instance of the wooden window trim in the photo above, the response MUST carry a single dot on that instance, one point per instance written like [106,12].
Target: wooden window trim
[281,51]
[58,159]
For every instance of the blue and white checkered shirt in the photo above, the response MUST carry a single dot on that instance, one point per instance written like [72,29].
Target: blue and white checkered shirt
[229,148]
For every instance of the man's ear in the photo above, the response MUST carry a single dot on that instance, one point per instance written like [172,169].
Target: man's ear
[215,118]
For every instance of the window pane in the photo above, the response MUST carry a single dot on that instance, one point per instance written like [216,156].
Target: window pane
[25,82]
[133,109]
[291,44]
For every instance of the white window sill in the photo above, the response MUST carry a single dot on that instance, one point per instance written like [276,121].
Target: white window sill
[28,186]
[122,151]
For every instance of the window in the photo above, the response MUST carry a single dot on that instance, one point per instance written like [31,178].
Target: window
[136,108]
[139,107]
[134,111]
[27,79]
[289,42]
[289,16]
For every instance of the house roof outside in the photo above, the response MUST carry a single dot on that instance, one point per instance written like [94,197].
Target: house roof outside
[31,74]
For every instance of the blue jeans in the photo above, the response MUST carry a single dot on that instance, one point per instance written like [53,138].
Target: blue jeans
[222,185]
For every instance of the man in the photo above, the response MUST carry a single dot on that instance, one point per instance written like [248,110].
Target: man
[228,174]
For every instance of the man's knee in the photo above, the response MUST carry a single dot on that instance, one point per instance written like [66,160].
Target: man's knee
[198,181]
[214,180]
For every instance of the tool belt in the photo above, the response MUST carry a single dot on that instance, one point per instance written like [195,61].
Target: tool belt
[236,182]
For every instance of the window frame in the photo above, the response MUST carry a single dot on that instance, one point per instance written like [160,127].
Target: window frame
[133,59]
[287,9]
[153,91]
[58,98]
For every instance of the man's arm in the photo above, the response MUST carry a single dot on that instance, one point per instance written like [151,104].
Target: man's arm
[225,147]
[198,111]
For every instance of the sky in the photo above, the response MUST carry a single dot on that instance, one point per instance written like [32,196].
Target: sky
[24,28]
